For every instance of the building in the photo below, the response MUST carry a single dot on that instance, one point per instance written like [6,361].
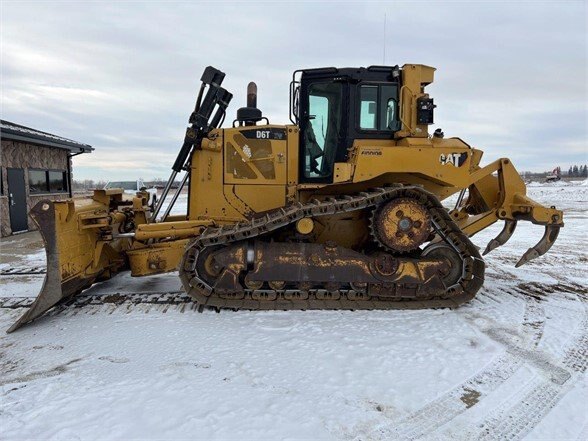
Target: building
[34,165]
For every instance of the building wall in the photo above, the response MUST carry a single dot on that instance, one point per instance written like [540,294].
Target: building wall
[16,154]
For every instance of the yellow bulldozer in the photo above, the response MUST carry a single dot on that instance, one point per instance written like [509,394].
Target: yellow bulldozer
[339,210]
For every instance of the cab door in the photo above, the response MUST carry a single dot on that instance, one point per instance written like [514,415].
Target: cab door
[322,130]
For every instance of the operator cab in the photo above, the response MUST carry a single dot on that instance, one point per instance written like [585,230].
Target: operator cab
[333,107]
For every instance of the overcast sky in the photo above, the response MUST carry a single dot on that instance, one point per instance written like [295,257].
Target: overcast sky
[511,77]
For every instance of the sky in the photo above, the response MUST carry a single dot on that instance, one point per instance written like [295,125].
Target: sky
[121,76]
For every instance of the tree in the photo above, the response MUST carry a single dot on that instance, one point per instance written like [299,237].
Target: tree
[575,172]
[585,171]
[570,171]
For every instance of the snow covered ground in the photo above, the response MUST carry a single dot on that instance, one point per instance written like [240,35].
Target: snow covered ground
[509,365]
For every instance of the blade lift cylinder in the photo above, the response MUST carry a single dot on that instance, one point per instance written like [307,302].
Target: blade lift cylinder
[215,96]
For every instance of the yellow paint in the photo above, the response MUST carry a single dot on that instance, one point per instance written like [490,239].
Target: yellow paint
[305,225]
[234,177]
[156,258]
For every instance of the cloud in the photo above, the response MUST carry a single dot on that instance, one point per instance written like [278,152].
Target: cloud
[123,76]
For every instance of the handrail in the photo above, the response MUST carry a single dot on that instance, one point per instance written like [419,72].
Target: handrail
[408,126]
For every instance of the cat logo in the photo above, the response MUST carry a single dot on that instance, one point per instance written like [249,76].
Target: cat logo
[455,159]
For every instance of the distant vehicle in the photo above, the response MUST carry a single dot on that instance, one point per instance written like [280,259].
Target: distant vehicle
[554,176]
[132,187]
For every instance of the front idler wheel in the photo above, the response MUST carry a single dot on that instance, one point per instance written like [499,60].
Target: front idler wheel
[206,265]
[455,264]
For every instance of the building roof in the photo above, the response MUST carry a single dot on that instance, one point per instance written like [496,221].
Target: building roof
[16,132]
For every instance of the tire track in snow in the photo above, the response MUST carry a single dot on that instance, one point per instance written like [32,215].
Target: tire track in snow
[584,433]
[522,412]
[541,394]
[534,320]
[519,415]
[458,400]
[576,356]
[451,404]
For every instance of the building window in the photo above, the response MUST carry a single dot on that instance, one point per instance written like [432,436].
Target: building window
[57,181]
[47,181]
[38,181]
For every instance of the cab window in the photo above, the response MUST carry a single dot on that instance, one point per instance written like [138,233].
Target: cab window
[388,112]
[322,127]
[368,106]
[378,107]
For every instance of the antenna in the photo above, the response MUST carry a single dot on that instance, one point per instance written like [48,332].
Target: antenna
[384,60]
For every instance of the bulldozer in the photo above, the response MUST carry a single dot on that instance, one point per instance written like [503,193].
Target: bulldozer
[341,209]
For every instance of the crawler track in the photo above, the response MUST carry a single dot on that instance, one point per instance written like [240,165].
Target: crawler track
[461,292]
[128,300]
[23,271]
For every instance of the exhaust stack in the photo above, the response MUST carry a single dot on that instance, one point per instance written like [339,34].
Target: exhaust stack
[248,116]
[252,95]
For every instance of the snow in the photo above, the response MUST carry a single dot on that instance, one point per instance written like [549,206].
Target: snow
[511,364]
[179,207]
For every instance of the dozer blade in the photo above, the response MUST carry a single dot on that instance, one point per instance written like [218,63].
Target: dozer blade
[543,246]
[503,236]
[76,257]
[53,291]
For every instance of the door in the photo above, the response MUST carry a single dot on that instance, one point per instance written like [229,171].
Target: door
[17,200]
[322,131]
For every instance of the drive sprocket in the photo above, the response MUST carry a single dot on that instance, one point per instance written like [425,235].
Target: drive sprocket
[401,225]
